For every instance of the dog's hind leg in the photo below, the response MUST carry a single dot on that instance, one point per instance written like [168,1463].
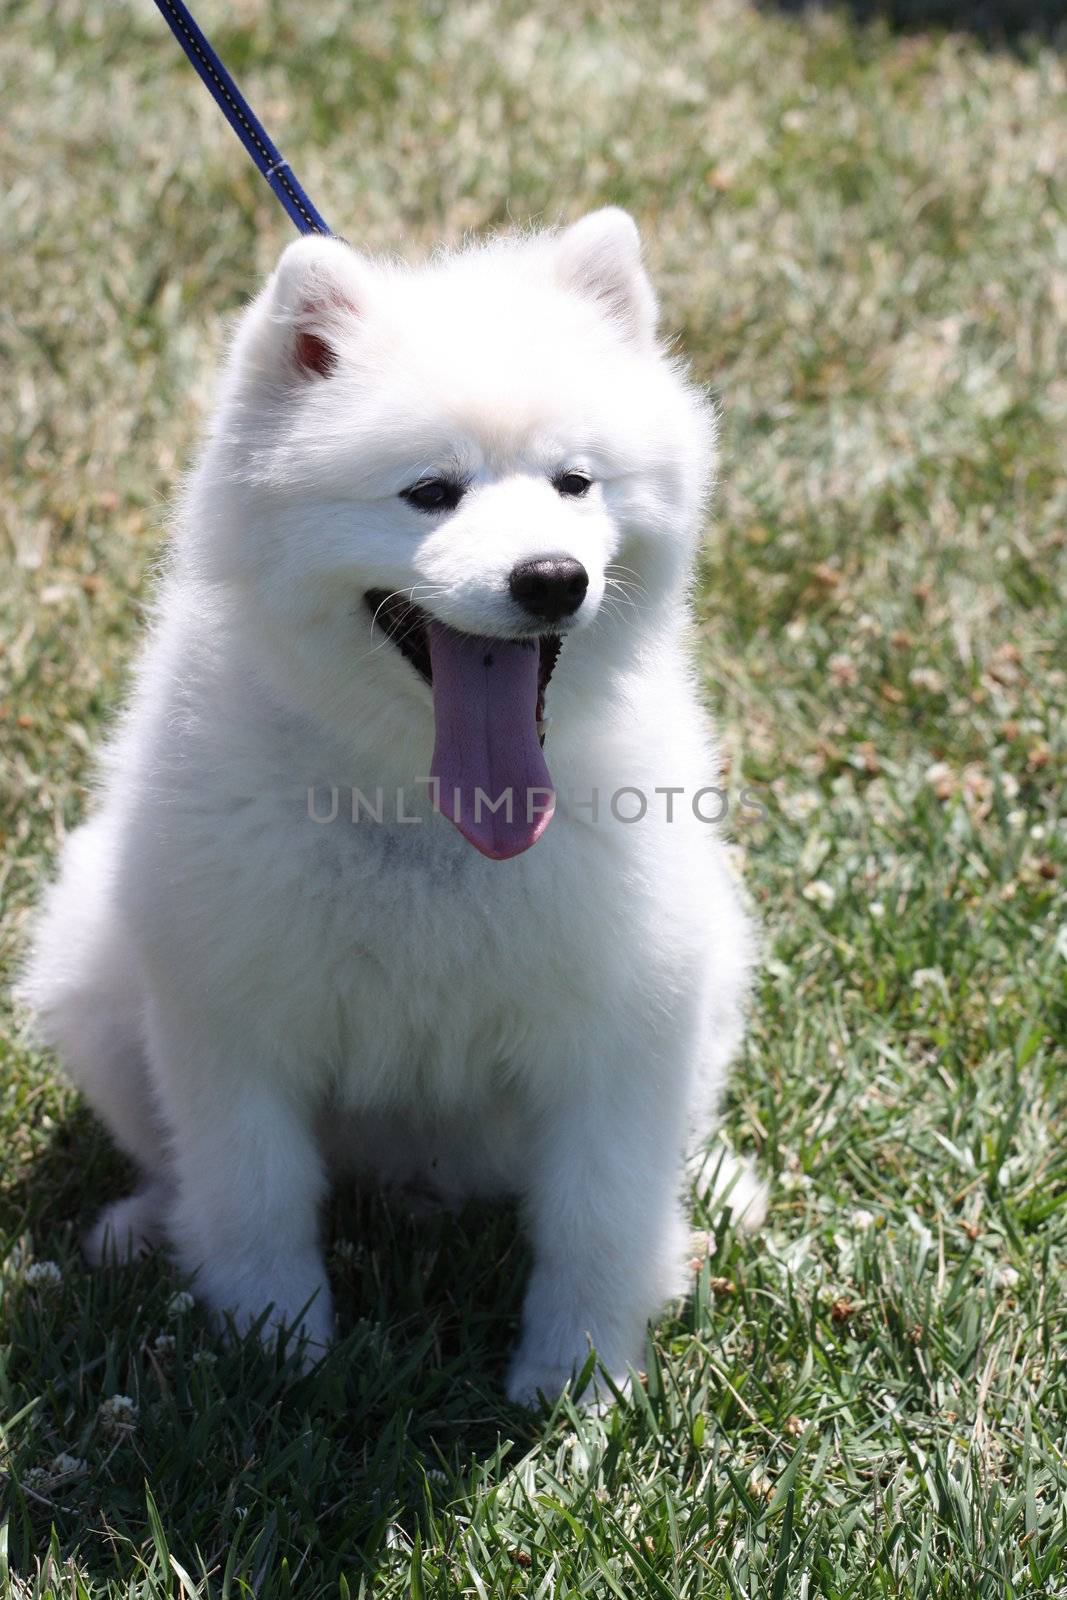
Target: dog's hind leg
[717,1175]
[107,1062]
[82,987]
[129,1228]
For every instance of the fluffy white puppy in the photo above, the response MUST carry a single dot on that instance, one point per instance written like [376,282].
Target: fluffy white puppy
[440,512]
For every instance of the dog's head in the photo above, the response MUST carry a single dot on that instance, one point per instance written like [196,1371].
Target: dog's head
[468,462]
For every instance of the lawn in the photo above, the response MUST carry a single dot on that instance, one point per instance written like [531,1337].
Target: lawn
[859,229]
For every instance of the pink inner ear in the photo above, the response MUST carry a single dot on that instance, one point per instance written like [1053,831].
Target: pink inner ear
[314,355]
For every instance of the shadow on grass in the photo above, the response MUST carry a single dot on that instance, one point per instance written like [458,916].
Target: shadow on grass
[60,1189]
[241,1451]
[994,23]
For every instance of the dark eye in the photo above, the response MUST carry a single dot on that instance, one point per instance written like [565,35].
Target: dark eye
[434,494]
[574,484]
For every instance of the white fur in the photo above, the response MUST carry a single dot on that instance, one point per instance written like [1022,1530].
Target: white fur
[251,1000]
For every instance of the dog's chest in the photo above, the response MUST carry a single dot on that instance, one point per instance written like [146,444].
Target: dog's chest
[436,961]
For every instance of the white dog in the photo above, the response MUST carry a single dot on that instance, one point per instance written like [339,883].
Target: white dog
[420,487]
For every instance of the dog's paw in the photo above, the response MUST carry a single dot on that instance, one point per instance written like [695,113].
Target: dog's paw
[127,1229]
[314,1332]
[301,1324]
[727,1181]
[534,1380]
[531,1383]
[306,1340]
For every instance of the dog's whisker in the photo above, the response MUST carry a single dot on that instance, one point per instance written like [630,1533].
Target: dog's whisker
[608,609]
[620,593]
[388,636]
[627,572]
[626,578]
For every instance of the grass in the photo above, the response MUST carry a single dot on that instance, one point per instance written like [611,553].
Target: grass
[861,238]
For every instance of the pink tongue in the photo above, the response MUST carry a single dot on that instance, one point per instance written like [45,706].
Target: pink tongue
[487,749]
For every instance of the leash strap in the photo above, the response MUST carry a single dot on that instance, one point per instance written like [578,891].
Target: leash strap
[242,119]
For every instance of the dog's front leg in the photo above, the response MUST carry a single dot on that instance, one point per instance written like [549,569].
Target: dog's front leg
[604,1209]
[250,1181]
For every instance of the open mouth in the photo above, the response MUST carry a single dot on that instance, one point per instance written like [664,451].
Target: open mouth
[489,717]
[408,627]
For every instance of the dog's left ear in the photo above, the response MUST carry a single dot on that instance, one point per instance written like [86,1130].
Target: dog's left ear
[600,257]
[319,291]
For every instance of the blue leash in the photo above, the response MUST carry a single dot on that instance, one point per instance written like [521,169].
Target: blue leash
[242,119]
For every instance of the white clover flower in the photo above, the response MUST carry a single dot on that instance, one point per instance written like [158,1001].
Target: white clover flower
[863,1219]
[802,805]
[68,1466]
[118,1414]
[941,779]
[927,978]
[164,1344]
[180,1303]
[1017,819]
[877,910]
[43,1275]
[843,669]
[205,1358]
[1005,1278]
[926,678]
[820,893]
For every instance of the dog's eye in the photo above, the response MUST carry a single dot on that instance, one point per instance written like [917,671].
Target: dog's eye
[574,484]
[434,494]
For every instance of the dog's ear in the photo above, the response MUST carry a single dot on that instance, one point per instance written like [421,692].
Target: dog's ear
[318,292]
[600,257]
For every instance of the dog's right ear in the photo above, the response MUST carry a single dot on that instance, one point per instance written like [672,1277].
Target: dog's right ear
[319,290]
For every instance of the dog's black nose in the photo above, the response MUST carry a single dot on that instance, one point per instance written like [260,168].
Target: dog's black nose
[549,588]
